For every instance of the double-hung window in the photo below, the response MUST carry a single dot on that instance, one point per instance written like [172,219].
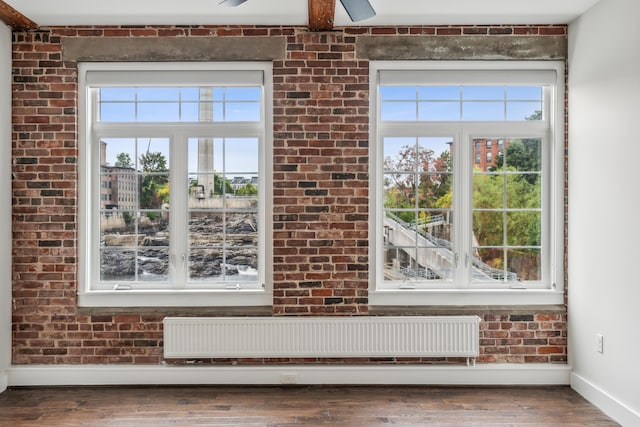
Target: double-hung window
[172,163]
[467,179]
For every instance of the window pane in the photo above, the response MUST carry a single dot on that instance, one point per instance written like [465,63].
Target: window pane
[483,111]
[246,186]
[189,112]
[523,228]
[173,104]
[117,94]
[158,112]
[223,166]
[418,201]
[134,250]
[431,188]
[118,230]
[489,266]
[118,152]
[243,94]
[398,93]
[243,264]
[453,103]
[410,264]
[524,155]
[206,264]
[153,264]
[205,155]
[435,226]
[190,93]
[438,111]
[488,191]
[158,93]
[395,149]
[206,229]
[482,93]
[524,111]
[524,93]
[242,112]
[439,93]
[526,264]
[400,193]
[523,191]
[223,203]
[240,155]
[400,111]
[117,112]
[117,264]
[241,228]
[154,191]
[134,176]
[488,228]
[224,246]
[239,265]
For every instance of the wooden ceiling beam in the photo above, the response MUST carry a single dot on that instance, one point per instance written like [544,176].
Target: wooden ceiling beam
[14,19]
[321,14]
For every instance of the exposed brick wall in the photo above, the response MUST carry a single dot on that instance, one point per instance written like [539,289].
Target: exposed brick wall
[320,176]
[320,199]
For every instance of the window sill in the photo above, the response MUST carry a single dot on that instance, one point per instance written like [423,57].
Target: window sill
[173,298]
[465,297]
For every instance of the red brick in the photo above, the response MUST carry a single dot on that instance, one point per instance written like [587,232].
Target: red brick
[324,134]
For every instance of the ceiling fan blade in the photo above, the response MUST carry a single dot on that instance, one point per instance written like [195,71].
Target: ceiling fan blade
[232,3]
[358,10]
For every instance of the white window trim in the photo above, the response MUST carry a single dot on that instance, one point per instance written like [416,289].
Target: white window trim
[553,291]
[88,296]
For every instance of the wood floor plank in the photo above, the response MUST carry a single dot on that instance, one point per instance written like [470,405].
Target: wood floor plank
[297,406]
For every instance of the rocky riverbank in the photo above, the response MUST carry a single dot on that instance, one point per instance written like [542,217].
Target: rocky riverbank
[147,253]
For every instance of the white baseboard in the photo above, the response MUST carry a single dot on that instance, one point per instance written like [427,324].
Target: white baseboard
[4,380]
[608,404]
[489,374]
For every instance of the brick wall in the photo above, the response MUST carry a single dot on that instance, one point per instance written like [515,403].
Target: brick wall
[320,198]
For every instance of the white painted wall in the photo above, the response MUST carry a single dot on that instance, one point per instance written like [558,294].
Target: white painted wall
[5,203]
[604,203]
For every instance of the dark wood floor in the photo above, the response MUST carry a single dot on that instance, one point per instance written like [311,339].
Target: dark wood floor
[297,406]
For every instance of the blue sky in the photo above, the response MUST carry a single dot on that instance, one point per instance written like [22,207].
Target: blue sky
[403,103]
[454,103]
[176,104]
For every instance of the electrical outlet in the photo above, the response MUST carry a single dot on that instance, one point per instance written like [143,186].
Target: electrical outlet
[288,378]
[600,343]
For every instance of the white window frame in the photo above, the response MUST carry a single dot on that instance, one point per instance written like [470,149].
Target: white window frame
[550,290]
[90,75]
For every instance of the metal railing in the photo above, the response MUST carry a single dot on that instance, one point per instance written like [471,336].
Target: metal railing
[480,268]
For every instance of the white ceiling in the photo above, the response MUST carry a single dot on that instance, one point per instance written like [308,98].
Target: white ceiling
[294,12]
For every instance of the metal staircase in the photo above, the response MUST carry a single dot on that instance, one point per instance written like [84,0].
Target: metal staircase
[439,261]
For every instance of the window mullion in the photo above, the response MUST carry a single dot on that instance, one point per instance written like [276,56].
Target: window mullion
[463,207]
[178,215]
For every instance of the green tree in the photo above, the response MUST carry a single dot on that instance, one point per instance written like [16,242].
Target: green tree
[247,190]
[155,177]
[489,220]
[123,160]
[221,186]
[415,178]
[443,164]
[523,155]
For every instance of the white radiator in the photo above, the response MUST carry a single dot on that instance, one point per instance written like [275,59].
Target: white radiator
[328,337]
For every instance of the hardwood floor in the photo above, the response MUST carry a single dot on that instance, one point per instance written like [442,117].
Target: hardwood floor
[297,406]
